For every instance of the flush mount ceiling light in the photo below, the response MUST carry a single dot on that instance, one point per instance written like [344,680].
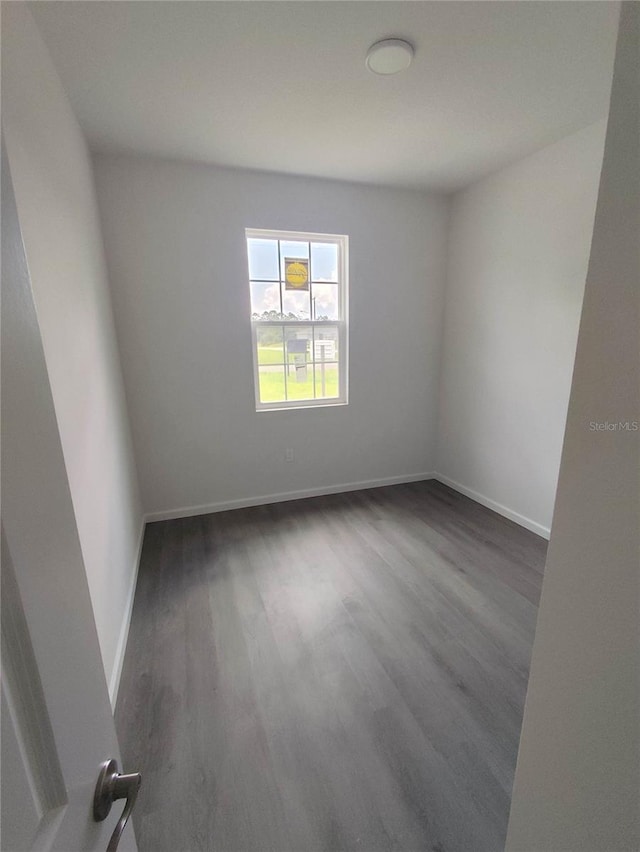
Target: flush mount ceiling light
[389,56]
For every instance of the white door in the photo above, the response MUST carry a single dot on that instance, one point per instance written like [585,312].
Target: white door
[57,725]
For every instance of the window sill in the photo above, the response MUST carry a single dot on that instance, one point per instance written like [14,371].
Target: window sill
[332,404]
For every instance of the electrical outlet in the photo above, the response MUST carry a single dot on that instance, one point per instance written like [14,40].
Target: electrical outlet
[288,455]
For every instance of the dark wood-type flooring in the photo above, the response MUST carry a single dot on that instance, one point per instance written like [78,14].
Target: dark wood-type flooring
[339,673]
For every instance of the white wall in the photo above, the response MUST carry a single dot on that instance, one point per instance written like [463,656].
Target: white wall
[577,785]
[55,198]
[517,260]
[174,235]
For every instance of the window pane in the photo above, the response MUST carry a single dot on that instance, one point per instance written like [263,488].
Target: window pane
[325,345]
[298,344]
[299,368]
[270,348]
[327,381]
[324,262]
[324,299]
[299,382]
[296,304]
[293,248]
[263,259]
[265,298]
[271,384]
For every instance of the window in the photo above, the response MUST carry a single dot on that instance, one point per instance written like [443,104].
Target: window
[298,286]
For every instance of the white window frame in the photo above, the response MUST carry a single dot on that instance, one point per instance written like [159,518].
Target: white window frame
[342,324]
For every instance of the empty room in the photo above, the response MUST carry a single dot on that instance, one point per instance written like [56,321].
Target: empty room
[320,421]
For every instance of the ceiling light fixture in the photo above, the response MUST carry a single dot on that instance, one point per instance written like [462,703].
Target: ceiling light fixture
[389,56]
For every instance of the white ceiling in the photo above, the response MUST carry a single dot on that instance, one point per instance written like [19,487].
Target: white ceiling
[282,86]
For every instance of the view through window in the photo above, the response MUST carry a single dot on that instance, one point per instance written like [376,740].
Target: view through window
[298,287]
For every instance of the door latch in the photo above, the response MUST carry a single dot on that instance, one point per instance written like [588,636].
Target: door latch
[112,786]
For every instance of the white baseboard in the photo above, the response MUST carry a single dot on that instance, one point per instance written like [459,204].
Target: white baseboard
[245,502]
[523,521]
[116,672]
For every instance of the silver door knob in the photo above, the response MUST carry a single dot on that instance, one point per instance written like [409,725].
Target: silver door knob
[112,786]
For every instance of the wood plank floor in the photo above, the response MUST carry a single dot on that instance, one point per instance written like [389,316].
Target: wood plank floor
[339,673]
